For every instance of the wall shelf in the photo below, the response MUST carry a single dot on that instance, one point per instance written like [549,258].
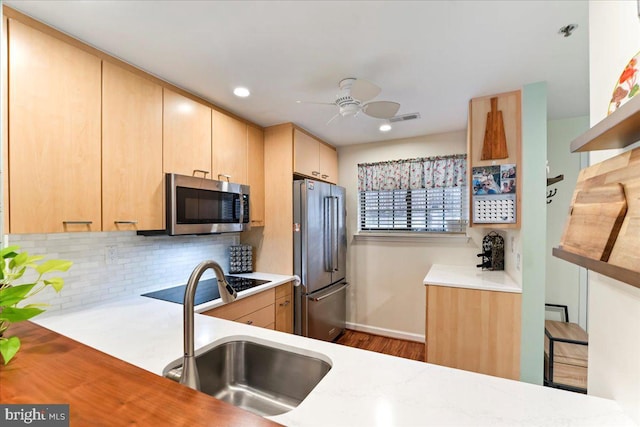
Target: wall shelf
[619,273]
[618,130]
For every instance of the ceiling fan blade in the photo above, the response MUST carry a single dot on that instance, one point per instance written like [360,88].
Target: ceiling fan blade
[381,109]
[364,90]
[332,118]
[317,103]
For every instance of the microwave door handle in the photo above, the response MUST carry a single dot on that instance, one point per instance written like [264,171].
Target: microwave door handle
[240,196]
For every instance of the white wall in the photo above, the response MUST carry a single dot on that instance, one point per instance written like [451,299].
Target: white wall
[386,294]
[115,264]
[614,307]
[562,278]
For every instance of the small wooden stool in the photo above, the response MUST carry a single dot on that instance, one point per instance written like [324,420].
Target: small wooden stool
[566,356]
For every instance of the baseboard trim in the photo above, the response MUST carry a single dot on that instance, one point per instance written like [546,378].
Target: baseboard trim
[386,332]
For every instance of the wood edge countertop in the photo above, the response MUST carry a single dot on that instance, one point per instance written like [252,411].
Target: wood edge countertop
[102,390]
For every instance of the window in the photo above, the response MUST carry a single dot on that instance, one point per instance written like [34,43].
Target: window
[437,205]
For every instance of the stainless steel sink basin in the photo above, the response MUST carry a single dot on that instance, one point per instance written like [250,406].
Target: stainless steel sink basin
[257,376]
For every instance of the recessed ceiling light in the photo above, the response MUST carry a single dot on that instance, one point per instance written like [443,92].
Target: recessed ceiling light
[385,127]
[242,92]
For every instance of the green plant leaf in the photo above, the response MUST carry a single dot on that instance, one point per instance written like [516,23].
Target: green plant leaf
[19,260]
[14,294]
[17,314]
[53,265]
[19,274]
[9,347]
[56,283]
[37,305]
[9,252]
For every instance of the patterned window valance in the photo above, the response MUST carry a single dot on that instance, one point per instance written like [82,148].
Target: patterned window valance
[412,174]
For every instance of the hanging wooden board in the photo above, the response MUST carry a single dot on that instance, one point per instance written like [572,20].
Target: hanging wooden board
[595,220]
[495,140]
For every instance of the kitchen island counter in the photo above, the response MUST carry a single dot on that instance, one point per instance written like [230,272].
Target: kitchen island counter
[362,387]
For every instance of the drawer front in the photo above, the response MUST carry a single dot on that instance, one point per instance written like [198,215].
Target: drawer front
[242,307]
[284,290]
[263,317]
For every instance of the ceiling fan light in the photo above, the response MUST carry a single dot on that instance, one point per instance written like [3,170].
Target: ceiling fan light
[386,127]
[241,92]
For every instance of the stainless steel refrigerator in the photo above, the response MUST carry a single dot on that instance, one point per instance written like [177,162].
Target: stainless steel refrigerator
[320,248]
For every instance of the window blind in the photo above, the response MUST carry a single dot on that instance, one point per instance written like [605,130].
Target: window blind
[443,210]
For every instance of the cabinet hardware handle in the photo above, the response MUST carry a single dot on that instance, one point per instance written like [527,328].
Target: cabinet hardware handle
[284,304]
[201,171]
[78,222]
[134,221]
[249,322]
[315,173]
[224,176]
[325,176]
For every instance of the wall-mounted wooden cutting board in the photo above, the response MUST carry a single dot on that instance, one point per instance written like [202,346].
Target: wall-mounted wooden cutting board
[595,220]
[626,252]
[598,193]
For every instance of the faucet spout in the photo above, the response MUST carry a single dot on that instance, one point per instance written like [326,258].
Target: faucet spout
[190,376]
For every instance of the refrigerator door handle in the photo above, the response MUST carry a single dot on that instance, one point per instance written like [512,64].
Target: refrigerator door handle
[327,234]
[334,234]
[340,289]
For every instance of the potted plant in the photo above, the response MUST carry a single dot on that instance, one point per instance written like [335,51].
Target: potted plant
[13,266]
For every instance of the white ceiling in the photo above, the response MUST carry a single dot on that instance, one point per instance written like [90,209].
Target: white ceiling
[430,56]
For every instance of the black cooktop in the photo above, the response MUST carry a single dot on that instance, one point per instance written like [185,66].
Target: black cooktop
[206,291]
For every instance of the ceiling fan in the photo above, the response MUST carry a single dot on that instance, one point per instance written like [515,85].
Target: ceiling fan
[355,96]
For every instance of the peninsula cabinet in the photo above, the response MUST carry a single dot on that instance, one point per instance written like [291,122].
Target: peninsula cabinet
[131,151]
[475,330]
[255,174]
[314,158]
[187,136]
[229,148]
[284,308]
[54,134]
[256,310]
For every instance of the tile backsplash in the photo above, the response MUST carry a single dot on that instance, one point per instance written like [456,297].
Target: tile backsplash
[115,264]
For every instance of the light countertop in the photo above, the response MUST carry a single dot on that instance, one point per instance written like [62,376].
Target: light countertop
[362,388]
[470,277]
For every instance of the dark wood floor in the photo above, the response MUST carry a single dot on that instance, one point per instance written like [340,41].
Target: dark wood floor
[395,347]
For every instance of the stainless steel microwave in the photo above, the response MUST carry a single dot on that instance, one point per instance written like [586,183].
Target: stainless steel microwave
[205,206]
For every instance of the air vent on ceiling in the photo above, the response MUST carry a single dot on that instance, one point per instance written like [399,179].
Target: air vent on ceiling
[404,117]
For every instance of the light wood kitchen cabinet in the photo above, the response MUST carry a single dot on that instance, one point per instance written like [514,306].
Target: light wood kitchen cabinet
[255,310]
[328,161]
[229,148]
[314,158]
[474,330]
[187,136]
[54,134]
[255,174]
[284,308]
[132,190]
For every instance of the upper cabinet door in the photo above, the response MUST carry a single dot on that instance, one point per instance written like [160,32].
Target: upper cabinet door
[131,151]
[305,154]
[229,149]
[328,163]
[54,134]
[256,175]
[187,135]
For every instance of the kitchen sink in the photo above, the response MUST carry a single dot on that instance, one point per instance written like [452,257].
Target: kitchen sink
[261,377]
